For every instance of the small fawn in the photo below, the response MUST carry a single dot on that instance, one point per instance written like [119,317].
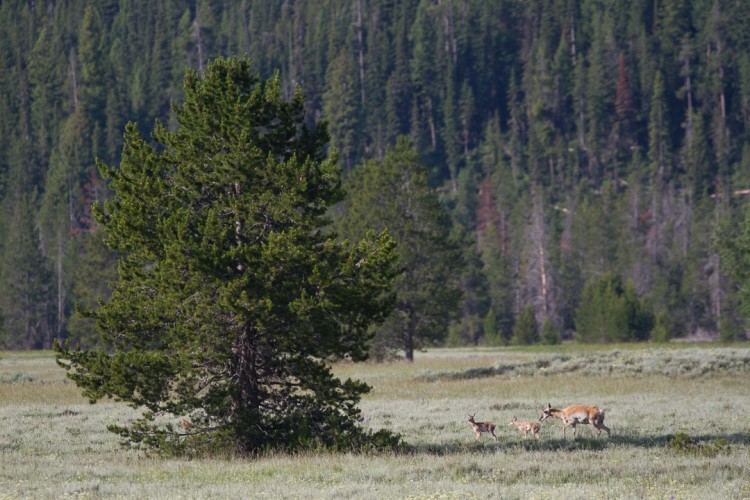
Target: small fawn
[577,414]
[526,427]
[480,427]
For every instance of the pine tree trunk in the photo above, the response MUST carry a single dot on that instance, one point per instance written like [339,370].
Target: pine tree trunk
[246,406]
[409,345]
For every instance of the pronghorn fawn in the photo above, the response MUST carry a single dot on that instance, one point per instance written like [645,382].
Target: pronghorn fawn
[526,427]
[577,414]
[480,427]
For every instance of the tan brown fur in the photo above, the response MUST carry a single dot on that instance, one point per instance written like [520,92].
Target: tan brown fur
[480,427]
[526,427]
[577,414]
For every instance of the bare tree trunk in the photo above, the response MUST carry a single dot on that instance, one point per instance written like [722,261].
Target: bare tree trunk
[361,49]
[74,76]
[543,264]
[714,279]
[686,54]
[451,46]
[540,288]
[60,289]
[289,87]
[198,39]
[431,118]
[722,98]
[581,117]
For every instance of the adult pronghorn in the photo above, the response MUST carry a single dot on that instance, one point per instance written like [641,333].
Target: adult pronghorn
[480,427]
[577,414]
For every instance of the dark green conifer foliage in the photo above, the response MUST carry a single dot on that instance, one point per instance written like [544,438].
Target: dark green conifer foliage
[423,78]
[601,316]
[633,119]
[231,299]
[611,311]
[733,246]
[499,274]
[492,336]
[393,194]
[526,329]
[46,86]
[91,84]
[342,108]
[92,269]
[473,283]
[549,334]
[661,328]
[25,305]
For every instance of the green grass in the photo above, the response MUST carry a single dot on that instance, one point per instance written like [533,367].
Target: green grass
[678,416]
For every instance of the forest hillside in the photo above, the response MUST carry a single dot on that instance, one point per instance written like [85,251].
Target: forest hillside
[585,150]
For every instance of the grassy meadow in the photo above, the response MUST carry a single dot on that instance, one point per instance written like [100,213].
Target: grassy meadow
[678,415]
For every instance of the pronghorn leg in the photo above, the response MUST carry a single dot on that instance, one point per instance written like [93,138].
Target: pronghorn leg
[599,424]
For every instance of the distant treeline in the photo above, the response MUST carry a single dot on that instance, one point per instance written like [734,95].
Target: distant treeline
[586,150]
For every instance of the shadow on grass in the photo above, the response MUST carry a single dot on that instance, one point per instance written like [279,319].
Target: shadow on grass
[571,445]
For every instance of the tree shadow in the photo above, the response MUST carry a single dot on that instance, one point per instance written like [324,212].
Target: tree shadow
[581,443]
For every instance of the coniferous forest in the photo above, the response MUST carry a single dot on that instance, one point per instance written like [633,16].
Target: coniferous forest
[585,152]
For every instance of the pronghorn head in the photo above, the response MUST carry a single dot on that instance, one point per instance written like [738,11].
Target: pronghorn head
[546,413]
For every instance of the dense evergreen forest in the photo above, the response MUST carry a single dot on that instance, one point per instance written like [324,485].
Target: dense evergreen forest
[586,150]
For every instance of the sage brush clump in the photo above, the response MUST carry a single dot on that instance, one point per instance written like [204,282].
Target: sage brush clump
[683,443]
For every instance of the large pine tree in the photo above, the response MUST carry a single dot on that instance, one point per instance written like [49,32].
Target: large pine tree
[231,299]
